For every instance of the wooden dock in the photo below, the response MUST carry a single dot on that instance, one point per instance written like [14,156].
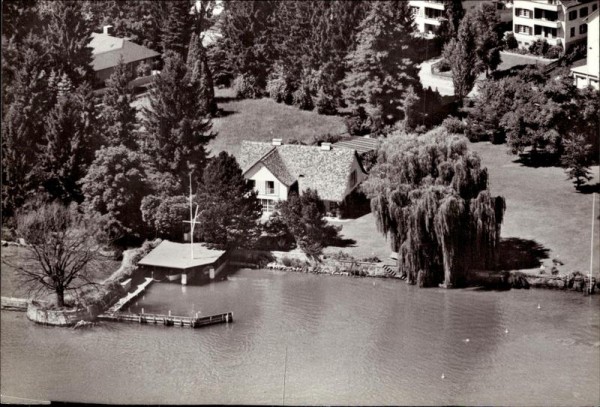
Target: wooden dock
[14,304]
[168,320]
[127,299]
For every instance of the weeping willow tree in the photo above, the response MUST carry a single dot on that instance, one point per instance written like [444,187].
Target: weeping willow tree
[429,196]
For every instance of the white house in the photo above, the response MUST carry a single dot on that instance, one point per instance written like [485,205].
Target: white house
[430,13]
[108,50]
[559,22]
[587,74]
[277,170]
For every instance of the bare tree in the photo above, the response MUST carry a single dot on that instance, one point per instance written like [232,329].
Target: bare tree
[61,251]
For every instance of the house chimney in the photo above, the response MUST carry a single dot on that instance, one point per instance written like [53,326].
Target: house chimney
[277,141]
[107,29]
[326,146]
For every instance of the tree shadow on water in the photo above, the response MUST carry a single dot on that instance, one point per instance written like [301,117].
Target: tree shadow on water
[515,253]
[589,189]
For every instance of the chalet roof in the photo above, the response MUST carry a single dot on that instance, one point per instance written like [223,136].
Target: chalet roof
[360,144]
[108,49]
[178,255]
[326,171]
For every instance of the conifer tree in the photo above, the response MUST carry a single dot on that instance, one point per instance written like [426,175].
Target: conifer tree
[461,54]
[175,134]
[118,117]
[199,72]
[68,142]
[229,212]
[177,27]
[381,66]
[246,26]
[66,37]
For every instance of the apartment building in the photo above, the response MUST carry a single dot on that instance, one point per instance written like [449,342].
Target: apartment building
[588,73]
[430,13]
[559,22]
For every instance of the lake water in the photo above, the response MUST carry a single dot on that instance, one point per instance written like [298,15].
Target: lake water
[309,339]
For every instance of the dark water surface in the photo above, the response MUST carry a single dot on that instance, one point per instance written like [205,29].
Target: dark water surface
[346,341]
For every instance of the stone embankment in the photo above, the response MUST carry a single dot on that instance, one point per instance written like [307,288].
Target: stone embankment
[99,299]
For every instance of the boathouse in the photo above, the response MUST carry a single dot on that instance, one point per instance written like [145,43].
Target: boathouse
[182,261]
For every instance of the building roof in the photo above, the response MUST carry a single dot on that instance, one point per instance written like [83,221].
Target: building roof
[360,144]
[178,255]
[572,3]
[326,171]
[108,49]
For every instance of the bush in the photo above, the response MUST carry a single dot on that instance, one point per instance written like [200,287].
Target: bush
[326,103]
[303,99]
[245,87]
[442,66]
[454,125]
[143,69]
[539,47]
[279,89]
[510,41]
[554,52]
[359,122]
[293,262]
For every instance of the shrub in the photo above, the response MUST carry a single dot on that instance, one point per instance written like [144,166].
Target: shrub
[554,52]
[539,47]
[143,69]
[245,87]
[454,125]
[303,99]
[371,259]
[510,41]
[293,262]
[359,122]
[442,66]
[326,103]
[342,256]
[279,88]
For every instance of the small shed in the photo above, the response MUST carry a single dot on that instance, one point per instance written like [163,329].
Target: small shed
[174,261]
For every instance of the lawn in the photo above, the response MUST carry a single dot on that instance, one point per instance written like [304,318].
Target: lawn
[545,217]
[263,120]
[10,282]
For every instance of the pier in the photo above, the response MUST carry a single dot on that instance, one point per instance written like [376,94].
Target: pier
[14,304]
[168,320]
[126,300]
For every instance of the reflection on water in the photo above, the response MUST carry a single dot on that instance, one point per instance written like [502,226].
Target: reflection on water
[348,341]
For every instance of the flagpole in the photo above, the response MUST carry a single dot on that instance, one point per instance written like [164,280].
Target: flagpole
[191,221]
[592,241]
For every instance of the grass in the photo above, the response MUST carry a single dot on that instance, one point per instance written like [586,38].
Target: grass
[543,206]
[264,119]
[9,278]
[545,217]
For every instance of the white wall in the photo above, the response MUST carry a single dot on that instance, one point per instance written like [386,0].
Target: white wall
[260,174]
[593,56]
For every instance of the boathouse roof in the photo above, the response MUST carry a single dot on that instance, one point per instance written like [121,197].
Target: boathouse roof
[178,256]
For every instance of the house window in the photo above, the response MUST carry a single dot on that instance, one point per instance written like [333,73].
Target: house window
[523,29]
[524,13]
[583,12]
[252,183]
[583,29]
[268,205]
[572,31]
[594,7]
[572,15]
[353,178]
[270,187]
[333,208]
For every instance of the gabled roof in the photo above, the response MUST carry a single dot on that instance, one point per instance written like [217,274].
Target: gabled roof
[326,171]
[108,49]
